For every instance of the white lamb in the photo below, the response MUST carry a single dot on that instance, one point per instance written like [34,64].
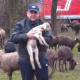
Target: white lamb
[32,45]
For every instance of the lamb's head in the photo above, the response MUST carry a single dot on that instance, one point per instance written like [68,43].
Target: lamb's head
[73,64]
[77,39]
[47,26]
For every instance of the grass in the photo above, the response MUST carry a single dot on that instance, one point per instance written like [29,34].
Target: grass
[69,75]
[16,76]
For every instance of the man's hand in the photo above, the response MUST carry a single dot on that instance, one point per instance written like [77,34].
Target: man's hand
[30,35]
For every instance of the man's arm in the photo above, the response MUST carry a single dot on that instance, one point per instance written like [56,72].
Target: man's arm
[19,37]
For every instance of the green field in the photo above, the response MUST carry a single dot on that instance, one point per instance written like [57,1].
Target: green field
[69,75]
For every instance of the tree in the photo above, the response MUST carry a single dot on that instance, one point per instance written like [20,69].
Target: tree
[4,16]
[12,11]
[17,10]
[53,16]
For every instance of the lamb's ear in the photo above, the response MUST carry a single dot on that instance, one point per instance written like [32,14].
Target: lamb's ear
[75,39]
[77,63]
[44,25]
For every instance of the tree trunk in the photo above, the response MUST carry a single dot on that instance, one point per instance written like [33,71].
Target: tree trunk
[12,13]
[53,17]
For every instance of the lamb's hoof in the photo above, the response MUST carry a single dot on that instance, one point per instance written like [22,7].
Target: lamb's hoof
[40,67]
[34,68]
[41,43]
[46,45]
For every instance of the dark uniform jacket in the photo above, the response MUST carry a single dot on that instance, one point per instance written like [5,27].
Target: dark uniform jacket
[19,37]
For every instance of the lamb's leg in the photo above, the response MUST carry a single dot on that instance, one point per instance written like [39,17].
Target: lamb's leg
[62,66]
[30,52]
[43,40]
[59,65]
[65,66]
[10,74]
[37,36]
[37,57]
[69,65]
[50,75]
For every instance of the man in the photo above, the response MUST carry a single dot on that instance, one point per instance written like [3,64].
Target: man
[20,36]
